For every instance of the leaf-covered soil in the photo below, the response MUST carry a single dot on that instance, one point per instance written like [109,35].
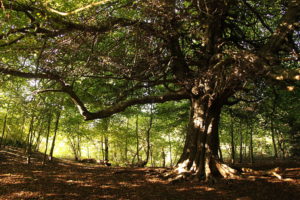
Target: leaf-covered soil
[68,180]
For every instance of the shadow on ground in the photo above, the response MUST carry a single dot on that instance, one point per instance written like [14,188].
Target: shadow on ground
[69,180]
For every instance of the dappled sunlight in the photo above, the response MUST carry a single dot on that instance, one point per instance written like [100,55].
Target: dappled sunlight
[131,185]
[197,187]
[24,193]
[290,88]
[72,181]
[12,179]
[182,167]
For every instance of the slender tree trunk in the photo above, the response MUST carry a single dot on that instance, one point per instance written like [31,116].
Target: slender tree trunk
[35,129]
[73,145]
[126,142]
[281,143]
[5,141]
[273,139]
[106,148]
[54,136]
[29,142]
[232,141]
[272,123]
[3,130]
[170,150]
[126,150]
[251,144]
[102,147]
[151,157]
[137,139]
[38,139]
[163,156]
[78,147]
[23,126]
[241,143]
[47,138]
[148,134]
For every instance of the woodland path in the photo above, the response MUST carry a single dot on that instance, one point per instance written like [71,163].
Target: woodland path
[65,179]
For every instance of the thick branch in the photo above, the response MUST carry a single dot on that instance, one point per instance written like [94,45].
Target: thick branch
[21,74]
[119,107]
[47,90]
[109,25]
[12,41]
[78,9]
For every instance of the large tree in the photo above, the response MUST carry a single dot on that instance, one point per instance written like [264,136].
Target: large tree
[108,55]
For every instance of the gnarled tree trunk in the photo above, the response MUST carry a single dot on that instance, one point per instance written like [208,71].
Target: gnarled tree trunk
[200,154]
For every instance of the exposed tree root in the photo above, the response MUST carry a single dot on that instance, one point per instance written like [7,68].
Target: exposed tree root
[277,172]
[226,171]
[221,170]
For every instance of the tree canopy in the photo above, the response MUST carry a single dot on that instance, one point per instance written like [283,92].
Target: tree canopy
[178,48]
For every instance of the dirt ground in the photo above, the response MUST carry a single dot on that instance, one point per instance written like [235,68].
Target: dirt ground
[69,180]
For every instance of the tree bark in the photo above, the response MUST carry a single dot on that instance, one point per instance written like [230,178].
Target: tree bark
[232,141]
[200,155]
[170,150]
[137,139]
[251,144]
[3,130]
[102,147]
[148,135]
[126,150]
[47,138]
[126,142]
[78,147]
[74,143]
[38,139]
[29,141]
[163,156]
[54,136]
[220,154]
[241,143]
[151,158]
[106,147]
[273,139]
[281,143]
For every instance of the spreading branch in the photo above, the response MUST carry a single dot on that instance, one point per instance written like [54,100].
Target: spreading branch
[119,107]
[116,108]
[102,2]
[28,75]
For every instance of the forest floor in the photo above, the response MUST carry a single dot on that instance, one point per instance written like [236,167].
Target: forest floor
[69,180]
